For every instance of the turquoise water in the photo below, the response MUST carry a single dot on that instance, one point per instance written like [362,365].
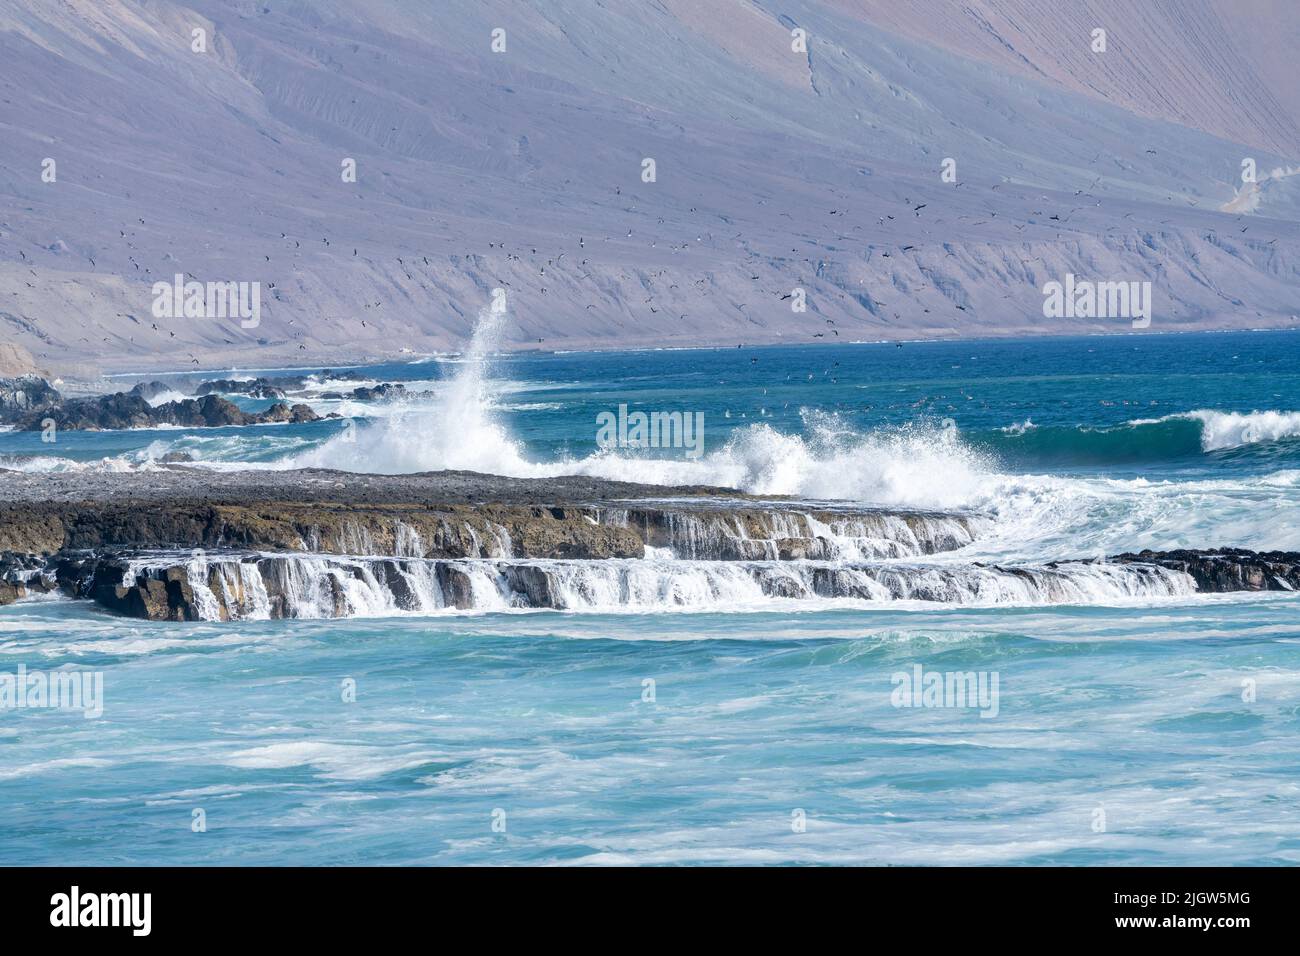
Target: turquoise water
[1156,731]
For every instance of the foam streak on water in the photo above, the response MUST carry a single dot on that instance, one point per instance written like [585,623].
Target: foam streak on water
[1134,709]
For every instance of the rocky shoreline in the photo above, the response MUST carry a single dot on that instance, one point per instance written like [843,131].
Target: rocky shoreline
[179,543]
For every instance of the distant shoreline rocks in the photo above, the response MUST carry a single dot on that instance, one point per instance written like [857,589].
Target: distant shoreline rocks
[127,410]
[253,388]
[30,403]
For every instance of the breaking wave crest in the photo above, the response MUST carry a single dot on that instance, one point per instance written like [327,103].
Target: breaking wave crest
[1220,430]
[1184,436]
[924,466]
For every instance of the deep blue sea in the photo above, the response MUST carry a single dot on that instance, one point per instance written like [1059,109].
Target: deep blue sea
[1124,730]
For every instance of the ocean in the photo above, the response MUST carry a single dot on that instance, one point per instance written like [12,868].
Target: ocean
[704,722]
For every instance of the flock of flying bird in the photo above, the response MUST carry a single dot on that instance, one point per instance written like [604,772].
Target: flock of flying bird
[555,261]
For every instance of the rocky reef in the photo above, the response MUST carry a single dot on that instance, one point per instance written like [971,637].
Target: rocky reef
[145,543]
[188,544]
